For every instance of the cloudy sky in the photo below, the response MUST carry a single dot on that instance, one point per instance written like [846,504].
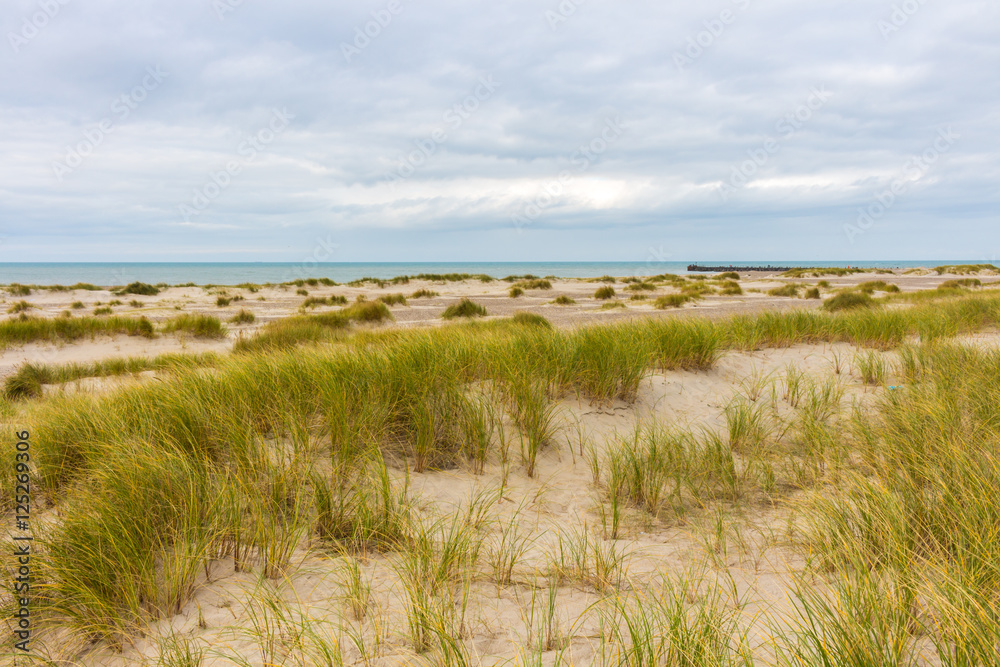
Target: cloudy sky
[434,130]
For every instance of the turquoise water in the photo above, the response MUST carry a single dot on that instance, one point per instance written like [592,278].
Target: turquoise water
[258,272]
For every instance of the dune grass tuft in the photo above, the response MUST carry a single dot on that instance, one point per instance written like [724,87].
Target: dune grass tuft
[243,317]
[604,293]
[30,329]
[28,380]
[333,300]
[367,311]
[293,331]
[672,301]
[911,535]
[965,269]
[872,286]
[392,299]
[829,271]
[791,289]
[531,319]
[730,288]
[960,283]
[536,283]
[141,289]
[848,301]
[201,326]
[697,289]
[464,308]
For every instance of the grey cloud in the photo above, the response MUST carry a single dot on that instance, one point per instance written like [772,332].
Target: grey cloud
[690,123]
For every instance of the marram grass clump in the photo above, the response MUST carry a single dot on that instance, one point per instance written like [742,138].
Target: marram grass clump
[293,331]
[25,329]
[142,289]
[672,301]
[367,311]
[312,329]
[537,283]
[960,283]
[393,299]
[791,289]
[314,301]
[872,286]
[28,380]
[730,288]
[464,308]
[848,301]
[201,326]
[531,319]
[244,316]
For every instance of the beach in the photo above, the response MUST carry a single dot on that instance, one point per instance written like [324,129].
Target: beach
[318,485]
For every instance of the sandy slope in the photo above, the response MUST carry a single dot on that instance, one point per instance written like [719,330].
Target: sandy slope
[756,557]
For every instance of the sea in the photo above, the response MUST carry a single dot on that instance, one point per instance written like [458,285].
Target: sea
[234,273]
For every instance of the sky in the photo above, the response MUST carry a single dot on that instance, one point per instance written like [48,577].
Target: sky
[446,130]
